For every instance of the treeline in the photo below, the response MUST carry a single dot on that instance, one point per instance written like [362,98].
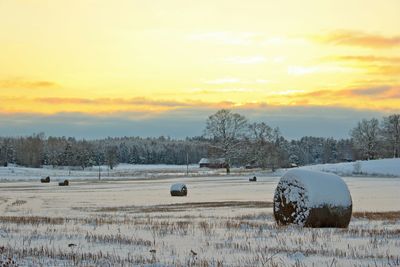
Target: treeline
[38,150]
[227,134]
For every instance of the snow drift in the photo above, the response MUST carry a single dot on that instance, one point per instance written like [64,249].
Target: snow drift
[312,199]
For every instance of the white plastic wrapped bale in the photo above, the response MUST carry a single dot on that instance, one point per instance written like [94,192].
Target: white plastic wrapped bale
[312,199]
[178,190]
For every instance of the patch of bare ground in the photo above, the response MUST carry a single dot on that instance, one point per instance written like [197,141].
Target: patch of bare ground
[378,216]
[186,206]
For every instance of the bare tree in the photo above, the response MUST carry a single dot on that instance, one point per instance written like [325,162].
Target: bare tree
[111,156]
[391,133]
[226,129]
[262,149]
[366,137]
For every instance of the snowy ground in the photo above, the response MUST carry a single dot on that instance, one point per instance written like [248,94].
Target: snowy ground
[381,167]
[375,168]
[226,220]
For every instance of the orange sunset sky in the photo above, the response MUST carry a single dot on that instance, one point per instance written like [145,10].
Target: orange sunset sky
[126,67]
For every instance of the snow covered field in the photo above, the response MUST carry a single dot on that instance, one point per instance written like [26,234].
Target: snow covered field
[225,220]
[381,167]
[377,168]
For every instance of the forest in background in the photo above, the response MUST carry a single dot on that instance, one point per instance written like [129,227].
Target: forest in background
[227,135]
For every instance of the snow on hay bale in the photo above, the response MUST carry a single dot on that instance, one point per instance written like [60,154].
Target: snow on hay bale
[178,190]
[312,199]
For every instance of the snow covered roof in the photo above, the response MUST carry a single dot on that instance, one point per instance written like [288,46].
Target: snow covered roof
[212,160]
[321,187]
[204,160]
[177,186]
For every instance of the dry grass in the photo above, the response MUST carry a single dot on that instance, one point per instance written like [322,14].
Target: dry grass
[185,206]
[380,216]
[18,202]
[252,239]
[117,239]
[32,220]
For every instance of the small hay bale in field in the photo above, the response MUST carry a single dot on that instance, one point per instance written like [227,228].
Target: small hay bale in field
[65,183]
[178,190]
[45,180]
[312,199]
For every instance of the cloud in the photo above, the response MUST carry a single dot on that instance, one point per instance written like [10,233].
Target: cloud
[366,59]
[141,101]
[232,80]
[376,65]
[26,84]
[226,38]
[300,70]
[372,91]
[353,94]
[246,60]
[357,38]
[223,81]
[218,91]
[277,40]
[390,70]
[263,81]
[305,70]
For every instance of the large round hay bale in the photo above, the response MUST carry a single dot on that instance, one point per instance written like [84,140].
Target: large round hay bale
[178,190]
[312,199]
[65,183]
[45,180]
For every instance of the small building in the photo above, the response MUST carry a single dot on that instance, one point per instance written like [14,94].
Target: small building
[214,163]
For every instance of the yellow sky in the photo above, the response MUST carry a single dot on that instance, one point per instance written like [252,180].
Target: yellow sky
[120,56]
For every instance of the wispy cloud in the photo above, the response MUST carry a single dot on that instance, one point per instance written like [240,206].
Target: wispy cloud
[223,81]
[364,59]
[321,68]
[376,65]
[226,38]
[246,60]
[357,38]
[232,80]
[371,93]
[263,81]
[277,40]
[388,70]
[222,91]
[377,97]
[301,70]
[240,38]
[26,84]
[138,101]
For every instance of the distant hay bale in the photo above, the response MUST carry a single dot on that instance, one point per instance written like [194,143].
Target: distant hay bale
[312,199]
[65,183]
[45,180]
[178,190]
